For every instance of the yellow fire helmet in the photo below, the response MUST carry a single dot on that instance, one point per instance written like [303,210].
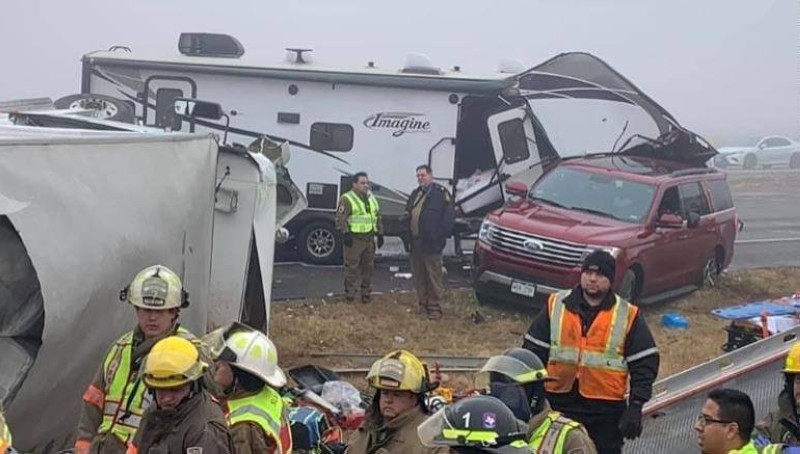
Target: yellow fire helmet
[173,362]
[156,287]
[792,365]
[400,370]
[5,435]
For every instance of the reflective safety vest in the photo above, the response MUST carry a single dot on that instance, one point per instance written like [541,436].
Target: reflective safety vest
[774,448]
[5,436]
[123,402]
[551,436]
[597,359]
[265,409]
[750,448]
[361,220]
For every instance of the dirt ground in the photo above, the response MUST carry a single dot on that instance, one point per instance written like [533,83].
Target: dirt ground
[763,181]
[300,329]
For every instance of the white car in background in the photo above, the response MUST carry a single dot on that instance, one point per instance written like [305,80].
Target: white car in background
[763,152]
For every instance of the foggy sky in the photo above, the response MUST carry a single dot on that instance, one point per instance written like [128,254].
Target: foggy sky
[723,68]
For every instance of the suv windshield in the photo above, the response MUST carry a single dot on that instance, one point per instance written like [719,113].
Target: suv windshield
[594,193]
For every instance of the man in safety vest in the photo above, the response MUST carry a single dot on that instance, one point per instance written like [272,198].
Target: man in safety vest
[783,424]
[725,424]
[115,401]
[184,417]
[400,381]
[358,219]
[476,424]
[596,346]
[517,378]
[249,376]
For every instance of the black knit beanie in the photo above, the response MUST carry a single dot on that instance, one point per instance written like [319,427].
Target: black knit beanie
[602,262]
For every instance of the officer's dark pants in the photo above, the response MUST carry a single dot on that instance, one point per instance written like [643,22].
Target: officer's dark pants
[359,261]
[603,430]
[427,270]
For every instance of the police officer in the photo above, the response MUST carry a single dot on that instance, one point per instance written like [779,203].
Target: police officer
[184,418]
[477,424]
[248,374]
[429,217]
[596,346]
[725,424]
[115,401]
[358,219]
[400,381]
[517,378]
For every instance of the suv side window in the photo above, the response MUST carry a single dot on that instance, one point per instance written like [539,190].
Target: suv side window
[720,195]
[776,142]
[693,198]
[670,203]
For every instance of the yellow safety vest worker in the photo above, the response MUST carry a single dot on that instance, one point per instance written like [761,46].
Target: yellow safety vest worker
[598,357]
[551,435]
[362,220]
[5,436]
[123,401]
[265,409]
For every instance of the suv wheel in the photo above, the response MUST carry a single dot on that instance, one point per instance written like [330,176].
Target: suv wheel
[319,244]
[794,161]
[750,162]
[629,288]
[710,272]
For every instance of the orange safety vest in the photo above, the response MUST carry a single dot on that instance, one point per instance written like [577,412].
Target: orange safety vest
[597,360]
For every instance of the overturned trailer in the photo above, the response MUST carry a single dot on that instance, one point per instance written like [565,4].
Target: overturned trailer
[81,211]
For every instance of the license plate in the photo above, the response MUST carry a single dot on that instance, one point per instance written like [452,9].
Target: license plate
[523,288]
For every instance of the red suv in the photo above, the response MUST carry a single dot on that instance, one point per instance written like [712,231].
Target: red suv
[670,225]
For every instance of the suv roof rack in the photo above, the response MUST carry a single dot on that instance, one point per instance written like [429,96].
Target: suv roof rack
[687,172]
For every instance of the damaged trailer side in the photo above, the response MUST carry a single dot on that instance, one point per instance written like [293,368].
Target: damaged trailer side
[80,216]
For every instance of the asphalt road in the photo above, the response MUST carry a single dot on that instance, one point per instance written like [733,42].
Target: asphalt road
[771,238]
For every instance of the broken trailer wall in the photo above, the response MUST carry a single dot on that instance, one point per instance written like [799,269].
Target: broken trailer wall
[91,212]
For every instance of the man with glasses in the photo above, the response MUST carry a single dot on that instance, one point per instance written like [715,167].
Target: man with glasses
[726,423]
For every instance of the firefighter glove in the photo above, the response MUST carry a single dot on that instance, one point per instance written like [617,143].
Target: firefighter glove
[631,422]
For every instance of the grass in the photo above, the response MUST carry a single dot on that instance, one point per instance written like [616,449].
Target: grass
[390,322]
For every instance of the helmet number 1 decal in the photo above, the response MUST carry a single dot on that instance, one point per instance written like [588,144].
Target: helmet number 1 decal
[466,418]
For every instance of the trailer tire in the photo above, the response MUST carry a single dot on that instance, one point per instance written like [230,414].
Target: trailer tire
[108,107]
[319,243]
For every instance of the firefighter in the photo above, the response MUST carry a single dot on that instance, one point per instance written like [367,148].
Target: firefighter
[596,346]
[358,219]
[249,376]
[5,436]
[783,424]
[400,381]
[184,418]
[115,401]
[517,378]
[726,423]
[428,222]
[476,424]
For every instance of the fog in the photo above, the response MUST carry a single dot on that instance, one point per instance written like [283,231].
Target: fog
[724,68]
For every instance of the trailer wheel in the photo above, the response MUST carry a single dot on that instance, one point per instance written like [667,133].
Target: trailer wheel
[106,107]
[319,243]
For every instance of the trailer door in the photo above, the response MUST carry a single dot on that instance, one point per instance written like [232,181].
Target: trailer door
[159,110]
[515,147]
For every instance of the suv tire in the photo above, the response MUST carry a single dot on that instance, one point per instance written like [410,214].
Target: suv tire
[629,287]
[710,272]
[319,243]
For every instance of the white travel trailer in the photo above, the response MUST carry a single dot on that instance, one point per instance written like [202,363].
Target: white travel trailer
[476,131]
[81,211]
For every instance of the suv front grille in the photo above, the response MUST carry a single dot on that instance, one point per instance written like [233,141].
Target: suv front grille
[556,252]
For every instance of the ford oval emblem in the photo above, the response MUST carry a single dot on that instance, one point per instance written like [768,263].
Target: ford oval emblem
[533,245]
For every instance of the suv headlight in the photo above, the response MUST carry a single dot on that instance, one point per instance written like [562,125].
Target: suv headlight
[614,251]
[483,233]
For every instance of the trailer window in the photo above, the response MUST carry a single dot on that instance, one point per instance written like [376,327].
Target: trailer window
[513,141]
[165,108]
[332,136]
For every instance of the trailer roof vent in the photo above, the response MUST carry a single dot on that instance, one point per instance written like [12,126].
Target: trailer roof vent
[210,45]
[420,64]
[297,55]
[511,66]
